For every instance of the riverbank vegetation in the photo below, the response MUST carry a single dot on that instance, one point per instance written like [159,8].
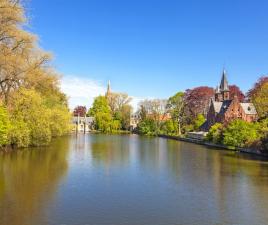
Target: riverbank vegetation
[112,113]
[32,107]
[186,111]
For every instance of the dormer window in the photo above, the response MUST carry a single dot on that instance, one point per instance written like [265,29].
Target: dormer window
[249,109]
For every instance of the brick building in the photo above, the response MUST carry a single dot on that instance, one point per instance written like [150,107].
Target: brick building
[222,109]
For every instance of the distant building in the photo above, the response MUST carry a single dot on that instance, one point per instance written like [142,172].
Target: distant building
[83,124]
[222,109]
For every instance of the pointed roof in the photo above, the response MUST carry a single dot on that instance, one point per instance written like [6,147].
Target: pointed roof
[108,88]
[224,83]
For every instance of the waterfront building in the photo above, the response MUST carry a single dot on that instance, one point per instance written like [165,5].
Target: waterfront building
[223,109]
[83,124]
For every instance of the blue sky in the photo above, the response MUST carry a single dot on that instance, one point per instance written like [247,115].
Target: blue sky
[153,48]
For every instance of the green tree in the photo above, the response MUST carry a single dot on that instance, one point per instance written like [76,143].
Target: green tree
[240,133]
[215,133]
[148,127]
[29,114]
[199,120]
[169,127]
[100,104]
[103,122]
[259,96]
[175,107]
[4,126]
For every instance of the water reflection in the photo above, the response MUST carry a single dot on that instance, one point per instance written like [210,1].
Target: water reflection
[112,179]
[28,182]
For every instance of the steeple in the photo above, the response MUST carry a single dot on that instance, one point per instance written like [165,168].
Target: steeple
[108,92]
[224,83]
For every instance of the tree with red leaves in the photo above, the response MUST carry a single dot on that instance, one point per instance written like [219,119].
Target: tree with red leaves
[80,111]
[235,91]
[197,100]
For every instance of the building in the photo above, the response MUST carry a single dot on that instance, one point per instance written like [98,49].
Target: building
[222,109]
[83,124]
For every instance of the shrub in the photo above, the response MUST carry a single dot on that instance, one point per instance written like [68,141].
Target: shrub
[215,133]
[240,133]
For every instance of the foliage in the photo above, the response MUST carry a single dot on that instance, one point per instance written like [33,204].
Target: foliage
[235,91]
[80,111]
[147,127]
[197,100]
[4,126]
[103,121]
[259,96]
[199,120]
[100,105]
[169,127]
[215,133]
[240,133]
[29,86]
[28,107]
[175,107]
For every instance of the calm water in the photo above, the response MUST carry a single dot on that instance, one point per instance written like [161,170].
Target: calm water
[116,180]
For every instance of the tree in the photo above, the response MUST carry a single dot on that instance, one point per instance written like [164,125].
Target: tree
[19,55]
[103,122]
[175,107]
[28,113]
[235,91]
[117,101]
[169,127]
[80,111]
[240,133]
[258,95]
[4,126]
[199,120]
[126,111]
[147,127]
[197,100]
[215,133]
[100,104]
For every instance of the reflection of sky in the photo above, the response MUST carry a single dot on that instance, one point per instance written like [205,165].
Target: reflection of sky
[138,180]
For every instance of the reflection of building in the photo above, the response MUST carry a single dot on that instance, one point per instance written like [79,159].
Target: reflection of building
[83,124]
[222,109]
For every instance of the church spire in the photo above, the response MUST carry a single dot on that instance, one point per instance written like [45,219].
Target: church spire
[108,92]
[224,83]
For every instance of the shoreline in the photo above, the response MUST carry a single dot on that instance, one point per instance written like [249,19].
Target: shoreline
[217,146]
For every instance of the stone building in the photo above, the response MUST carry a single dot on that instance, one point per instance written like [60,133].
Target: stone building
[222,109]
[83,124]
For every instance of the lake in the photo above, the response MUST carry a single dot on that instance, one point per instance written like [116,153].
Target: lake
[96,179]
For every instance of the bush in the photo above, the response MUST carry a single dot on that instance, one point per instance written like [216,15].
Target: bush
[169,128]
[215,133]
[241,134]
[147,127]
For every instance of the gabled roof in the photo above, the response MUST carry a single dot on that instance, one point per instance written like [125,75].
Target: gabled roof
[221,107]
[249,108]
[217,106]
[224,83]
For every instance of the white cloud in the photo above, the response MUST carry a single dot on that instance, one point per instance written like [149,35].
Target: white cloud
[82,91]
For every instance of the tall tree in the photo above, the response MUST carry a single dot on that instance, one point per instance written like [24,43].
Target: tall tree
[19,55]
[197,100]
[235,91]
[175,107]
[259,96]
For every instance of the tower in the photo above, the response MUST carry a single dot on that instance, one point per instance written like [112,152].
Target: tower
[222,92]
[108,92]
